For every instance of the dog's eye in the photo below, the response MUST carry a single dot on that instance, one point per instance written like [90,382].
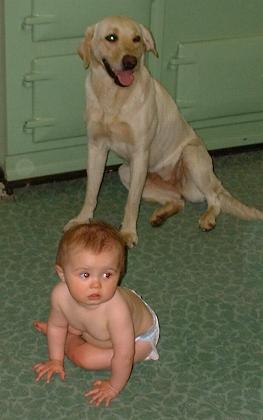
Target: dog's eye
[137,38]
[111,38]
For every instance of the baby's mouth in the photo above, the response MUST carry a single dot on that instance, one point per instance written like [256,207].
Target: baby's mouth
[122,78]
[94,296]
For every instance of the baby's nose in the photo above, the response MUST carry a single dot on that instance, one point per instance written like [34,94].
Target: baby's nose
[95,283]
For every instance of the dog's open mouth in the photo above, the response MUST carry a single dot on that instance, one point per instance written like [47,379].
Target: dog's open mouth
[122,78]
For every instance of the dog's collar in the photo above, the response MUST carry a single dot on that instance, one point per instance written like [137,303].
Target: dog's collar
[111,73]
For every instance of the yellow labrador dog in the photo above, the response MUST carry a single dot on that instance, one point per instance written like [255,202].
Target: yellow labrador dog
[132,114]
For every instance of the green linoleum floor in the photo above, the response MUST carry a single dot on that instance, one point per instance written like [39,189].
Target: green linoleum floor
[207,289]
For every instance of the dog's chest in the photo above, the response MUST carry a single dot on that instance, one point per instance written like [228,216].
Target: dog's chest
[117,134]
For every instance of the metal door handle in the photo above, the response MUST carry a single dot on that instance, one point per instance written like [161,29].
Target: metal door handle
[38,123]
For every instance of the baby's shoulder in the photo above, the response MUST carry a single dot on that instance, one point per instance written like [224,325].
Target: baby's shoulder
[129,298]
[119,301]
[59,291]
[133,299]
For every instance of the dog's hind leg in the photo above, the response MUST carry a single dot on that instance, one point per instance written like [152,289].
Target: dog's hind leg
[167,210]
[158,190]
[202,181]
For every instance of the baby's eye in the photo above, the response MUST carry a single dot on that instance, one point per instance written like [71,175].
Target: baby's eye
[107,275]
[84,275]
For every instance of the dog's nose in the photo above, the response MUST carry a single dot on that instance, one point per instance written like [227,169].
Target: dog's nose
[129,62]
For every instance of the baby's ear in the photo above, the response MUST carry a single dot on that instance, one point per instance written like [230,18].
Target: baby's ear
[148,40]
[84,49]
[60,272]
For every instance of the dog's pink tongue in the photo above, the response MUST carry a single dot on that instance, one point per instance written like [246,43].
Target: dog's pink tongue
[125,77]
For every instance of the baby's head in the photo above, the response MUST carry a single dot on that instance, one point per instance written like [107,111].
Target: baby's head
[96,236]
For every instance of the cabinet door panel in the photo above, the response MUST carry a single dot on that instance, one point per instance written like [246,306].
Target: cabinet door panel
[57,98]
[219,78]
[55,19]
[211,63]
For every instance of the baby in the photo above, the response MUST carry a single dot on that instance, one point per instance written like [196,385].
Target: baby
[93,321]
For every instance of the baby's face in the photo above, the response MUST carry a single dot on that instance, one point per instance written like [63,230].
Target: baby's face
[92,278]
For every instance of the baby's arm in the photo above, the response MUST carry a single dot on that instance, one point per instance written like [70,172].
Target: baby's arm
[123,353]
[56,334]
[122,337]
[56,343]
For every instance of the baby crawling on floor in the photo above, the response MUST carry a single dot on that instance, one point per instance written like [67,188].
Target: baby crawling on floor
[93,321]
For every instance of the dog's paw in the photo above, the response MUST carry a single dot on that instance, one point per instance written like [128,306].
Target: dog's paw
[74,222]
[207,222]
[157,220]
[130,238]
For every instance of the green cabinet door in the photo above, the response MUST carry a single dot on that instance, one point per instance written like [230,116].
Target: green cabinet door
[57,113]
[212,64]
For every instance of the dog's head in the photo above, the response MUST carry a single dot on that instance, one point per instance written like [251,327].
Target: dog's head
[117,44]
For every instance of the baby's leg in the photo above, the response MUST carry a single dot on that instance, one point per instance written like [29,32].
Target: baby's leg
[90,357]
[79,351]
[86,355]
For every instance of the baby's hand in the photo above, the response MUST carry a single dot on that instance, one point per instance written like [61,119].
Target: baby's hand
[49,368]
[101,391]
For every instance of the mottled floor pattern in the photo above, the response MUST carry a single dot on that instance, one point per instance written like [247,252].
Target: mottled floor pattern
[207,289]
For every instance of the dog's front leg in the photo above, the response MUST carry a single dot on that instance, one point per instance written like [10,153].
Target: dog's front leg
[97,155]
[138,172]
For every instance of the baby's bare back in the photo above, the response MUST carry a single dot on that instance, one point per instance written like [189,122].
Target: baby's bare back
[142,318]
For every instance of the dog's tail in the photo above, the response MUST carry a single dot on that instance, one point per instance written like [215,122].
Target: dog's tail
[231,205]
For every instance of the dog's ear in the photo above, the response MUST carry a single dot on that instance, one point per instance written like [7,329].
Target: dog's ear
[84,49]
[148,40]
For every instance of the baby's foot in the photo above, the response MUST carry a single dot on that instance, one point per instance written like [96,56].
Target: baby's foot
[40,326]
